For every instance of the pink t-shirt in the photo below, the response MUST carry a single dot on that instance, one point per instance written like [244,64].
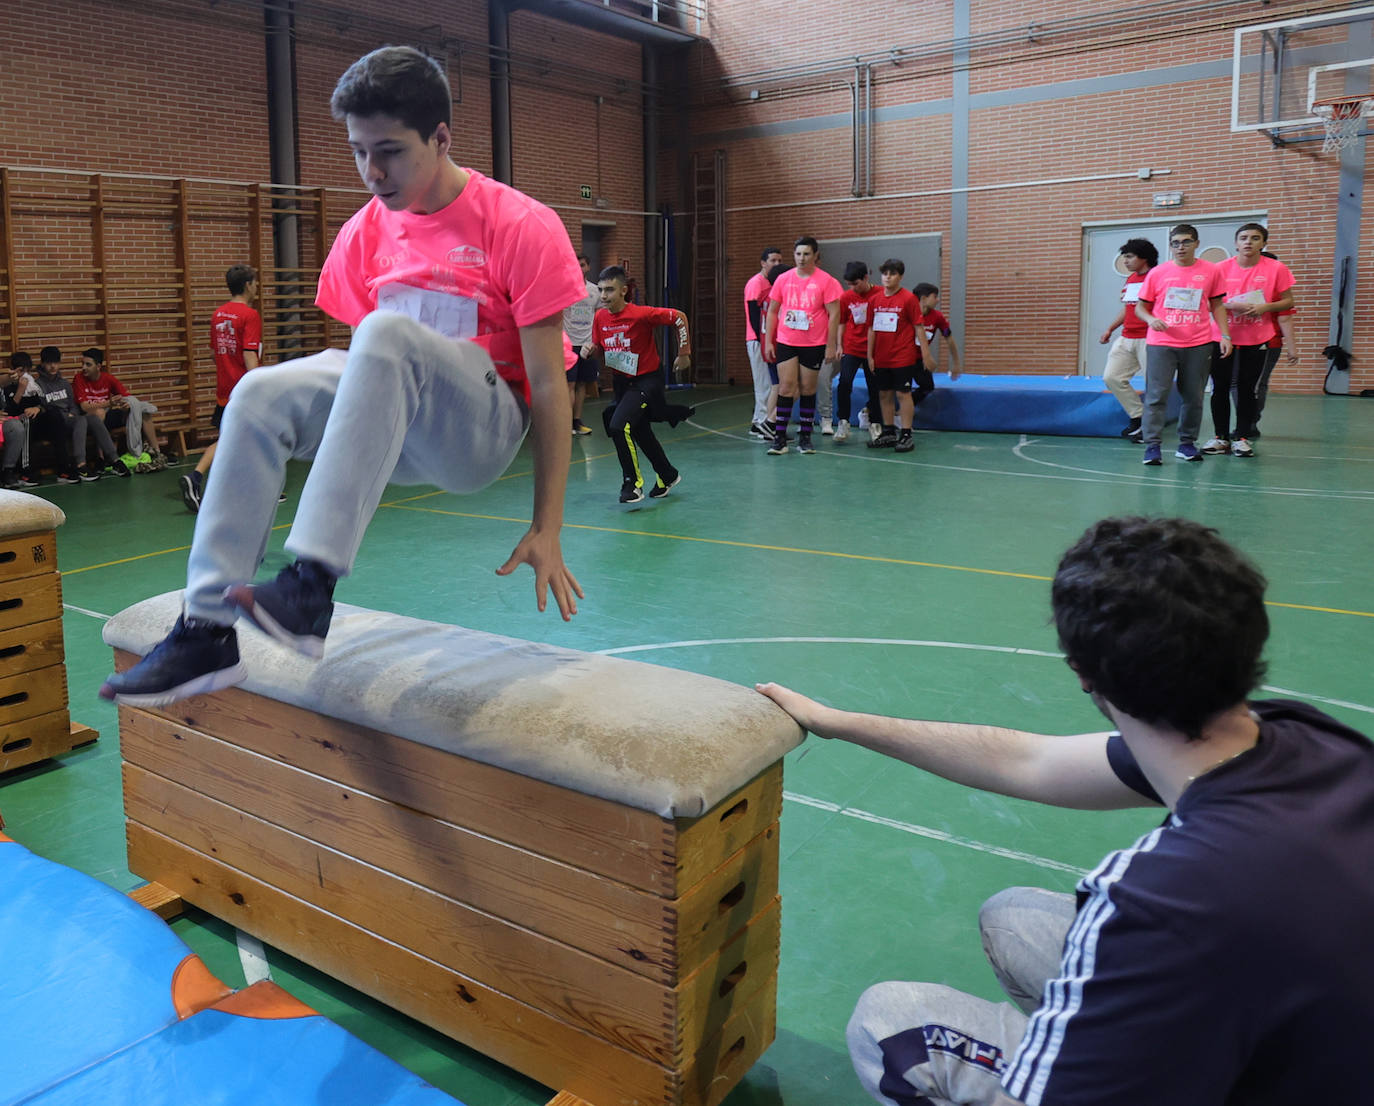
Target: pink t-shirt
[1182,297]
[756,291]
[1263,282]
[802,317]
[490,262]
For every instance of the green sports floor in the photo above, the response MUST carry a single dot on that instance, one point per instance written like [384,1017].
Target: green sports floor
[909,584]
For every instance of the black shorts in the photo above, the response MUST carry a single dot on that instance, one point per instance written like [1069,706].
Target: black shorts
[218,416]
[809,356]
[895,380]
[584,371]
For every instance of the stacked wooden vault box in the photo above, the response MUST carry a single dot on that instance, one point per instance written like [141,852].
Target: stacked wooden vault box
[570,863]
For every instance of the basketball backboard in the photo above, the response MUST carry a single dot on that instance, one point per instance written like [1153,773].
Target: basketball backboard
[1279,69]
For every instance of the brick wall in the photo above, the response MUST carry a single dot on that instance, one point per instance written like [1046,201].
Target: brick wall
[1023,256]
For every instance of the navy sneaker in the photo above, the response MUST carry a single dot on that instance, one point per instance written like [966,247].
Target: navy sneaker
[660,489]
[1187,451]
[630,492]
[293,609]
[1152,455]
[195,658]
[804,442]
[190,491]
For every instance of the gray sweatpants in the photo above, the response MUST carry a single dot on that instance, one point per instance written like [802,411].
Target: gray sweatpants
[403,405]
[927,1043]
[763,383]
[1192,365]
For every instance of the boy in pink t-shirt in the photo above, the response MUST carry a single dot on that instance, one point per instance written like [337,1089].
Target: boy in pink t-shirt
[455,287]
[802,331]
[1179,301]
[755,308]
[1258,290]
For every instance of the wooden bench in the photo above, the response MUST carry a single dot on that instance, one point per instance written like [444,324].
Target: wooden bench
[34,720]
[568,862]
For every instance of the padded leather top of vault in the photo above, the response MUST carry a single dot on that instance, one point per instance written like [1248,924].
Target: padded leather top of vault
[675,743]
[21,513]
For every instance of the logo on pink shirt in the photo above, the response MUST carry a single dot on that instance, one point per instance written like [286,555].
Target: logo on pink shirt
[467,256]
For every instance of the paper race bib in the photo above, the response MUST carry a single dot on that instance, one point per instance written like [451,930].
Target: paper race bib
[1245,299]
[858,313]
[1183,299]
[796,319]
[452,316]
[1131,293]
[885,321]
[623,361]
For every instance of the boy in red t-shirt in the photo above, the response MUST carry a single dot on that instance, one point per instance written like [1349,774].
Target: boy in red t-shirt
[624,332]
[936,326]
[855,310]
[454,286]
[236,343]
[896,345]
[1126,358]
[100,395]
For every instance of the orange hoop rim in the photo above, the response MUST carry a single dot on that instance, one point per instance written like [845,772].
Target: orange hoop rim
[1342,107]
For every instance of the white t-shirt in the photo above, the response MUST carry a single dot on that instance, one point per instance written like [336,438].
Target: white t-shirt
[577,319]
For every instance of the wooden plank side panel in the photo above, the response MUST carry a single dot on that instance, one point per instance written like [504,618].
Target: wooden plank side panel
[31,694]
[28,554]
[722,1062]
[630,1011]
[30,599]
[600,916]
[725,901]
[33,739]
[592,833]
[24,648]
[702,843]
[528,1040]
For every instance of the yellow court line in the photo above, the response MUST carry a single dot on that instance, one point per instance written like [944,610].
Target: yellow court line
[826,553]
[140,557]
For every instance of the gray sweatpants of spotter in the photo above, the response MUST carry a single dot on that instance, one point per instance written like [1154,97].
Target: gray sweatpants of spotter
[403,405]
[927,1043]
[1192,365]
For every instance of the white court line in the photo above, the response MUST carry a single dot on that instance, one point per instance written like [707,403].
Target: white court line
[89,614]
[826,641]
[1141,480]
[1317,698]
[1269,452]
[934,834]
[1092,476]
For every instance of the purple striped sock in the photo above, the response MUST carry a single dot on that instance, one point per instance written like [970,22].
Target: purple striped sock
[807,417]
[784,413]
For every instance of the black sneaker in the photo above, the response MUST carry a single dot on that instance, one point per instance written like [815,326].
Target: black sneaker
[660,489]
[630,492]
[26,480]
[886,440]
[905,443]
[68,478]
[804,442]
[88,475]
[190,491]
[120,468]
[9,480]
[293,609]
[1132,430]
[195,658]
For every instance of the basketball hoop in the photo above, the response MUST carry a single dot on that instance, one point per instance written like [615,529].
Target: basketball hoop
[1342,117]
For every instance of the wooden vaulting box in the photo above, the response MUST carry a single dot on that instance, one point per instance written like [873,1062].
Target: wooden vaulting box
[34,721]
[569,863]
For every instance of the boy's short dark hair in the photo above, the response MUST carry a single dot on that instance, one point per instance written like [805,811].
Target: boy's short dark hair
[855,270]
[1162,618]
[924,289]
[1264,231]
[614,272]
[238,278]
[807,240]
[21,361]
[398,81]
[1184,228]
[1141,247]
[777,271]
[893,265]
[95,354]
[768,251]
[49,353]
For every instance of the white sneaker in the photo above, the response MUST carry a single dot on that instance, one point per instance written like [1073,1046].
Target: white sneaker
[842,431]
[1241,447]
[827,427]
[874,430]
[1216,445]
[863,418]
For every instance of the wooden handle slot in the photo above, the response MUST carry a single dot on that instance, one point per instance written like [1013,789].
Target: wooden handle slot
[731,898]
[6,556]
[16,745]
[735,813]
[11,700]
[734,979]
[12,651]
[11,604]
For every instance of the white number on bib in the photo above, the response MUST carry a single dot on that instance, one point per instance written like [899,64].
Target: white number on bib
[452,316]
[885,321]
[1131,293]
[1183,299]
[796,319]
[623,361]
